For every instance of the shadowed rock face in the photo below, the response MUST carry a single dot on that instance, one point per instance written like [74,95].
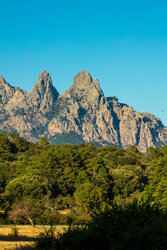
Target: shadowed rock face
[82,113]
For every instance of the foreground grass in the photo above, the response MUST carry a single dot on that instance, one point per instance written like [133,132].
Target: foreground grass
[12,237]
[4,245]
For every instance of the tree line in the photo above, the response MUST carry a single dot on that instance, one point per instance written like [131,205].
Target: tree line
[48,184]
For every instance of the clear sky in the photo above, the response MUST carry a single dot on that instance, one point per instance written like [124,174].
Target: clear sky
[123,43]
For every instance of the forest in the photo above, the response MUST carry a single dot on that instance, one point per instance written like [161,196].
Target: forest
[44,184]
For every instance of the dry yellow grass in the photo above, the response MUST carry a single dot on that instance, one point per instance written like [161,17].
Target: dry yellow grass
[5,245]
[26,233]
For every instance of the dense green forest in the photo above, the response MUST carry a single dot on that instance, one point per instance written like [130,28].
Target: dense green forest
[39,180]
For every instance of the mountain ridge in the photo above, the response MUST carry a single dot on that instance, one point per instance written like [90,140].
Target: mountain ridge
[81,114]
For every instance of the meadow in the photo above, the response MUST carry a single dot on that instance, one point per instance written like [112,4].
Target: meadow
[12,237]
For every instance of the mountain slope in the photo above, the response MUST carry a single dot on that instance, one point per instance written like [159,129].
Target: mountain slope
[81,114]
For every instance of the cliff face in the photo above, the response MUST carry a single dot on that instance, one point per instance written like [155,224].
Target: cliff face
[81,114]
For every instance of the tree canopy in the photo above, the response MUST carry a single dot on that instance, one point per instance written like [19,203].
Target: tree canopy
[83,179]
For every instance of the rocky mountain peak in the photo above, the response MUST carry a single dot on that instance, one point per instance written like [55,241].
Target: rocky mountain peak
[44,81]
[3,82]
[96,82]
[96,85]
[43,94]
[82,80]
[6,91]
[85,91]
[82,113]
[1,79]
[44,78]
[84,87]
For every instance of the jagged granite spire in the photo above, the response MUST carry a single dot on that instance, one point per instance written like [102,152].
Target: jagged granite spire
[85,90]
[82,80]
[6,91]
[43,94]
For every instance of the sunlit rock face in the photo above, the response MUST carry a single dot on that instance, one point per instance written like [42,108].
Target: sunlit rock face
[81,114]
[43,94]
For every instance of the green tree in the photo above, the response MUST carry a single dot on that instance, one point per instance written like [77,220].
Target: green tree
[90,200]
[20,143]
[43,142]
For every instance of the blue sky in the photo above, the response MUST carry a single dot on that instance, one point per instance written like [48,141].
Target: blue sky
[122,43]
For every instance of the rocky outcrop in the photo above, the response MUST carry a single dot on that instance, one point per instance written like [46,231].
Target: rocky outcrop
[82,113]
[43,94]
[6,91]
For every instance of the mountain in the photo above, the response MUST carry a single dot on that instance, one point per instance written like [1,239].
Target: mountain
[81,114]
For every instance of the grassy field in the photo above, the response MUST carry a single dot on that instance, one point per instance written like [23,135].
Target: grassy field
[26,235]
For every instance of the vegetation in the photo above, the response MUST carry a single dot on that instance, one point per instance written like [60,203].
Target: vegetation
[130,228]
[39,181]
